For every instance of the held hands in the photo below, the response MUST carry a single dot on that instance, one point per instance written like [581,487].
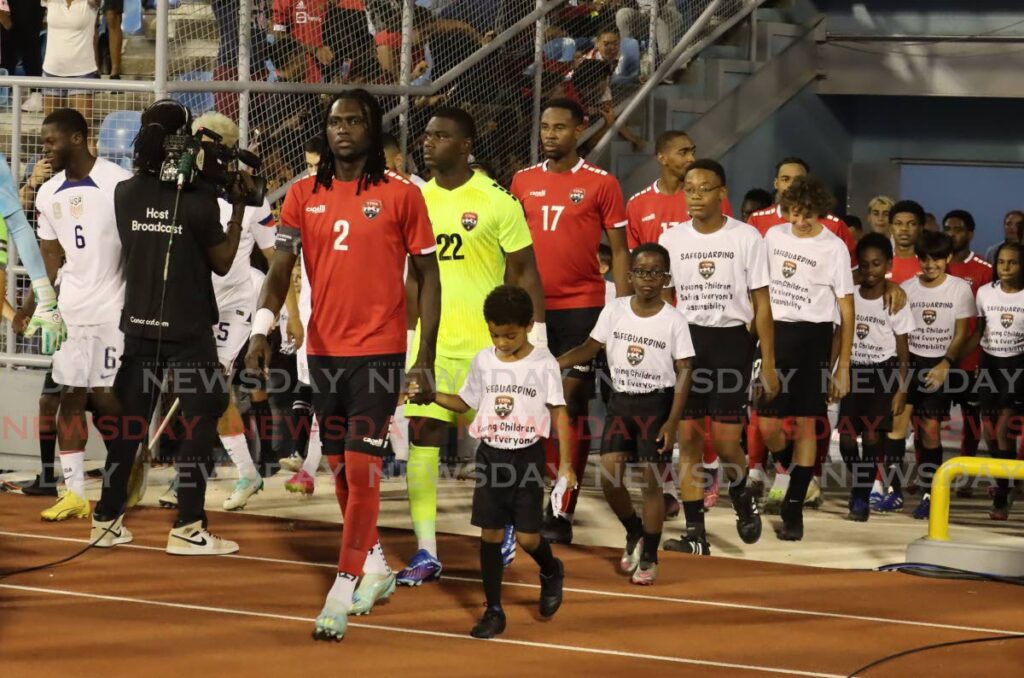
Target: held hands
[899,403]
[420,383]
[666,438]
[936,376]
[561,494]
[840,384]
[769,380]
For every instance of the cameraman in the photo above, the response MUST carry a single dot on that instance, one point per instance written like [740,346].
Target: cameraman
[172,241]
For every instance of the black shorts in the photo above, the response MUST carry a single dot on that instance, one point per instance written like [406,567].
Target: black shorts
[965,392]
[354,399]
[720,373]
[112,6]
[509,488]
[927,404]
[803,353]
[867,408]
[999,383]
[633,423]
[50,387]
[567,329]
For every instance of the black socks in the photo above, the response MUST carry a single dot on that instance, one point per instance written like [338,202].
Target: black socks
[492,568]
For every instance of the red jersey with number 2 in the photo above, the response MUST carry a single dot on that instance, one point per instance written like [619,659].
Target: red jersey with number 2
[567,213]
[354,249]
[651,213]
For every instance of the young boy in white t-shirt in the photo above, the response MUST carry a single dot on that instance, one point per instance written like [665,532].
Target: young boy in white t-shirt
[516,390]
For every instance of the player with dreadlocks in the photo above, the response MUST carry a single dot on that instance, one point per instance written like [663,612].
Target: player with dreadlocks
[355,222]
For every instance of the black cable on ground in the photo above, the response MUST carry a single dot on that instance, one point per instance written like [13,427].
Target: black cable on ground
[55,563]
[942,571]
[924,648]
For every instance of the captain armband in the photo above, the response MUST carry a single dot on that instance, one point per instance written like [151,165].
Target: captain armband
[289,239]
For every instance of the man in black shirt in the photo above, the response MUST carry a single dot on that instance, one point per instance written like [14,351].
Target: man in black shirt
[171,241]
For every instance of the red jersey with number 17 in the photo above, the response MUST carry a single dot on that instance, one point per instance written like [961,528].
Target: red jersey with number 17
[651,213]
[567,213]
[976,272]
[354,249]
[764,219]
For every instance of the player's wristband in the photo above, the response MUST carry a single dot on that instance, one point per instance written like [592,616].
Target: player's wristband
[262,322]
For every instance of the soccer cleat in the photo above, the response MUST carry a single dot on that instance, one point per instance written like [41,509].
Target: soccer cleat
[169,499]
[557,530]
[490,625]
[874,499]
[551,591]
[508,546]
[792,528]
[645,574]
[301,483]
[70,505]
[748,519]
[694,543]
[108,533]
[245,488]
[630,555]
[373,589]
[924,508]
[860,510]
[37,487]
[773,503]
[711,492]
[195,540]
[891,502]
[422,568]
[292,463]
[756,481]
[672,507]
[813,499]
[332,622]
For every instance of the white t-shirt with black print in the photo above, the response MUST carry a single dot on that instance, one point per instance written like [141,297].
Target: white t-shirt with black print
[936,310]
[713,273]
[642,351]
[1004,321]
[511,399]
[875,330]
[807,275]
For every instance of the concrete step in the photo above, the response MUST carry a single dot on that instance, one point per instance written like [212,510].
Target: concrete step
[774,37]
[190,21]
[195,55]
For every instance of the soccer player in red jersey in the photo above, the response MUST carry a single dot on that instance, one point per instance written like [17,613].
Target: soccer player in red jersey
[906,219]
[786,171]
[976,272]
[355,222]
[569,205]
[304,21]
[662,205]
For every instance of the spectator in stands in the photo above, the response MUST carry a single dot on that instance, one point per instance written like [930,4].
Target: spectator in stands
[1013,227]
[855,225]
[226,13]
[70,53]
[878,214]
[311,151]
[930,224]
[389,45]
[608,48]
[755,199]
[303,20]
[21,22]
[347,34]
[634,21]
[588,87]
[113,11]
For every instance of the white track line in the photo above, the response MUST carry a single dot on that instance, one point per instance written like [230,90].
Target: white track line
[421,632]
[594,592]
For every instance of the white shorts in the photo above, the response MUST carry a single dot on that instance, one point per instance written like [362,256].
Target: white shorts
[90,356]
[231,332]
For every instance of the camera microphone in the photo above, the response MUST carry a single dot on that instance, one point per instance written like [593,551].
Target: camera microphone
[186,165]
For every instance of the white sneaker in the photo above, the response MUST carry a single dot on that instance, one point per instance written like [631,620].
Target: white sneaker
[109,533]
[195,540]
[244,489]
[292,463]
[33,104]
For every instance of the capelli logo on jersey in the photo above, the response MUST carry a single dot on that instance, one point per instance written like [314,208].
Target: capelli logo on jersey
[788,269]
[371,208]
[576,195]
[538,194]
[503,405]
[862,330]
[649,217]
[469,220]
[317,209]
[1006,320]
[928,316]
[635,354]
[706,269]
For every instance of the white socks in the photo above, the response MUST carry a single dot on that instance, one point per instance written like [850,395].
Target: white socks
[375,561]
[341,592]
[315,450]
[72,465]
[238,449]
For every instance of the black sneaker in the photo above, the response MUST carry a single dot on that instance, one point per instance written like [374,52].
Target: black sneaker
[748,520]
[37,487]
[792,522]
[557,530]
[490,625]
[694,543]
[550,592]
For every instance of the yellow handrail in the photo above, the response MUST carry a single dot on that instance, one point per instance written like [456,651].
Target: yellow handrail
[958,467]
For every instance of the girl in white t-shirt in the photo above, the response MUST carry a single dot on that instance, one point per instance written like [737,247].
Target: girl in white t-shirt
[70,52]
[1000,331]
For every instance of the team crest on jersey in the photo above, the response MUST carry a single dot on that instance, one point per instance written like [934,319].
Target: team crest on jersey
[928,316]
[1006,319]
[503,405]
[57,210]
[371,208]
[862,330]
[635,354]
[788,269]
[576,195]
[706,269]
[469,220]
[77,205]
